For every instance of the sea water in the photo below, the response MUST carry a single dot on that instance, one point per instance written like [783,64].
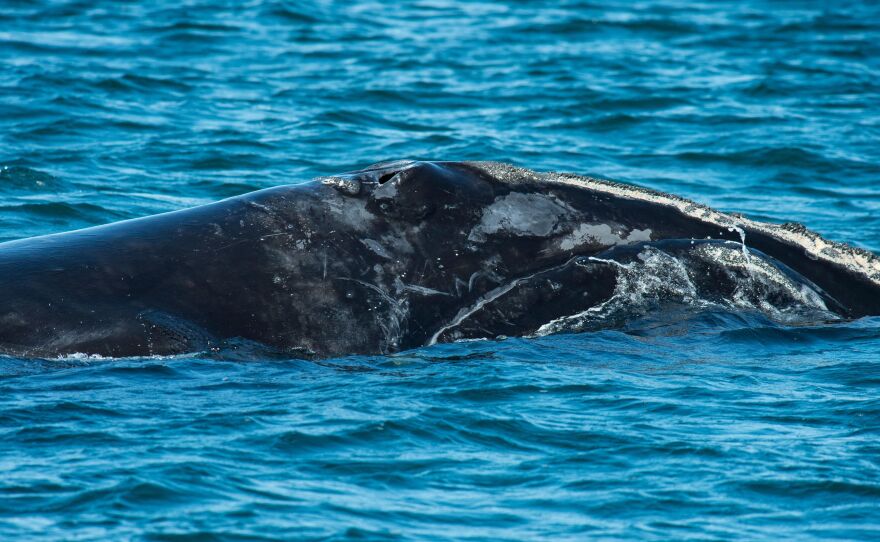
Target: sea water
[714,426]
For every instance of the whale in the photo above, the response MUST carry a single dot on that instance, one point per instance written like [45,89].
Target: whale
[406,254]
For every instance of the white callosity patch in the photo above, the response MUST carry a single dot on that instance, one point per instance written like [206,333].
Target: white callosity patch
[347,186]
[522,215]
[638,236]
[856,260]
[602,235]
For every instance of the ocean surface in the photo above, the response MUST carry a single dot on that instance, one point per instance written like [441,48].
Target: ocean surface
[714,426]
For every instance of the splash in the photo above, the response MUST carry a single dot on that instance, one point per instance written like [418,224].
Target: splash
[705,276]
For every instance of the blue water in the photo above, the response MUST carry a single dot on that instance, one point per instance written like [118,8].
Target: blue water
[707,427]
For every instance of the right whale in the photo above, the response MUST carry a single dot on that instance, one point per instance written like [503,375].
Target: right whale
[409,253]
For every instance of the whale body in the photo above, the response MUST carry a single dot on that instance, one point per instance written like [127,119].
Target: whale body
[406,254]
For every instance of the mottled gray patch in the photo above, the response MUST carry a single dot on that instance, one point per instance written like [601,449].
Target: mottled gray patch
[350,212]
[638,236]
[524,215]
[345,185]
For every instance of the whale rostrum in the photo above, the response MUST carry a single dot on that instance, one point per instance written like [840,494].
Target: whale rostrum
[410,253]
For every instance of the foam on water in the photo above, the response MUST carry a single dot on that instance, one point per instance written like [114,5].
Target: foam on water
[658,281]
